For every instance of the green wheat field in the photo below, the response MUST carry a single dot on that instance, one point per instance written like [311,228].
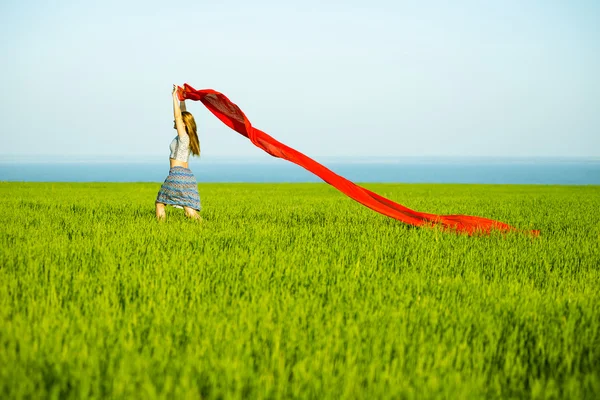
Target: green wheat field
[296,291]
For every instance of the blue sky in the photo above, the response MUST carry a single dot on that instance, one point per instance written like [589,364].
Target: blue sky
[337,78]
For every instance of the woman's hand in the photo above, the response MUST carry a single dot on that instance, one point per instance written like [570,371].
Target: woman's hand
[175,89]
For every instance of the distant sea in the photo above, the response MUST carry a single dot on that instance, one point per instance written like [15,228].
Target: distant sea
[560,171]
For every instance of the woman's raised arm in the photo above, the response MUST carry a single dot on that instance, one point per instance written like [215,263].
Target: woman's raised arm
[177,114]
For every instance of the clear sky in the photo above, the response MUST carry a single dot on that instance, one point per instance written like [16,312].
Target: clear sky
[330,78]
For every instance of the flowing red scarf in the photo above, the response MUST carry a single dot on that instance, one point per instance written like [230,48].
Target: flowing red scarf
[233,117]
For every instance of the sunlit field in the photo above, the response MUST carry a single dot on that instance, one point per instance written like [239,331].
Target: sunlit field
[296,291]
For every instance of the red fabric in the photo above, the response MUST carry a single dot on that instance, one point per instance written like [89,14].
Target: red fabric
[233,117]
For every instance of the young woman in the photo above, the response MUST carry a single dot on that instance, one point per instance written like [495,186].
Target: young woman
[180,189]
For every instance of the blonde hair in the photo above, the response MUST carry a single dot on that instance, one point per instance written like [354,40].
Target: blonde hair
[190,127]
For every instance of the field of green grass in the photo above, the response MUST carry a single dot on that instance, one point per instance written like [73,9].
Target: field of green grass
[295,291]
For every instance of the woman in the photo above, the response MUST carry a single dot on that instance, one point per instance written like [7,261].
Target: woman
[180,189]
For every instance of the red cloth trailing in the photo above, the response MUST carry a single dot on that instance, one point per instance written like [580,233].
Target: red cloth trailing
[234,117]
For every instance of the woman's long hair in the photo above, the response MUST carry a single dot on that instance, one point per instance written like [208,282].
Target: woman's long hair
[190,127]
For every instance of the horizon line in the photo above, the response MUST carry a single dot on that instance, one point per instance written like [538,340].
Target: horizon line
[265,159]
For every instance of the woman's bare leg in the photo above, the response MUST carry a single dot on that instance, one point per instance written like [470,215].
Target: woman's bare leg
[191,213]
[161,215]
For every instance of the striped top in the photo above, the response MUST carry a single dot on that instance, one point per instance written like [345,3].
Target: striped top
[180,148]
